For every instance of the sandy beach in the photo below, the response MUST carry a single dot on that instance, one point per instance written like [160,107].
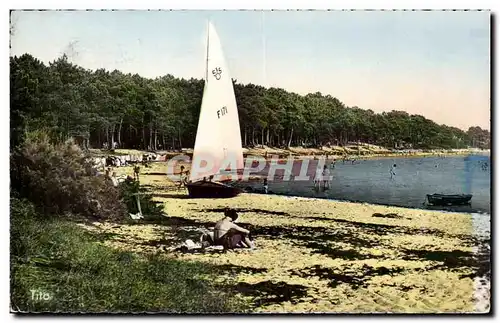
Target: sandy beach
[336,152]
[316,256]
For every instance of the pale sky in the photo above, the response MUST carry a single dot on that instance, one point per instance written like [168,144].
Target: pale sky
[436,63]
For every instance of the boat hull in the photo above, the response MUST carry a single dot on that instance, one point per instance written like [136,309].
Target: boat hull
[211,190]
[440,199]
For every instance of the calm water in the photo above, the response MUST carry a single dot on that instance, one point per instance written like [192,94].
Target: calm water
[369,181]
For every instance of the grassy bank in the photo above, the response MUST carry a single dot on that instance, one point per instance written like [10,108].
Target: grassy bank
[57,266]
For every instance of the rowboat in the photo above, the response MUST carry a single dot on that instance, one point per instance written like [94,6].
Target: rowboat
[451,199]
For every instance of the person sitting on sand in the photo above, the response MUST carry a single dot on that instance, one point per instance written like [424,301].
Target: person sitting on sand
[228,234]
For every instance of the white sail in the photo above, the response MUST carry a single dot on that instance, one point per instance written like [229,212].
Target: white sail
[218,138]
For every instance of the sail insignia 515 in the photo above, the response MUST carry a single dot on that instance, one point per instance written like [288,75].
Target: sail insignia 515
[217,72]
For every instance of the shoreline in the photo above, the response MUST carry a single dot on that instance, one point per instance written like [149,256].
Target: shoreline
[161,165]
[307,153]
[380,204]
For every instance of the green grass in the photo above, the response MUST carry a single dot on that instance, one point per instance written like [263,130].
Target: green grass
[80,275]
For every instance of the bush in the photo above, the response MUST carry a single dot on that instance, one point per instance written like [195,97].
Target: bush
[59,179]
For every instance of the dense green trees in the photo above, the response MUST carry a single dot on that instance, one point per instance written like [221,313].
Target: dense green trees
[101,107]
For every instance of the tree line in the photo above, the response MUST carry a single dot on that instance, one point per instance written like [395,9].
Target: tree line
[101,107]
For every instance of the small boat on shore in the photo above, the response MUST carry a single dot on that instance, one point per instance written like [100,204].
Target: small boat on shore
[206,189]
[451,199]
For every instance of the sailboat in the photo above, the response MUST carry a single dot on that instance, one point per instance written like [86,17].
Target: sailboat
[218,139]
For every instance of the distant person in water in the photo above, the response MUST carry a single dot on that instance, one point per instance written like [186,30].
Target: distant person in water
[228,234]
[317,178]
[332,165]
[393,171]
[265,186]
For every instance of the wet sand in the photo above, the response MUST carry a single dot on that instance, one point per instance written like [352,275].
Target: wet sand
[320,255]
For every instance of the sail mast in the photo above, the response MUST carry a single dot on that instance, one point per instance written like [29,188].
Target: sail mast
[208,44]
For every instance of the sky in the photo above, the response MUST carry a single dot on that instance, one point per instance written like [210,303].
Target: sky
[433,63]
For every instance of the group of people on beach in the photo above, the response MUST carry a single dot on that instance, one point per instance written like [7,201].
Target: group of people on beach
[110,175]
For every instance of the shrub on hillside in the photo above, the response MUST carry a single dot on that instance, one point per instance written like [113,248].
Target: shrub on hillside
[59,179]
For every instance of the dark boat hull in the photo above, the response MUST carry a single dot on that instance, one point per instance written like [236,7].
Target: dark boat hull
[211,190]
[440,199]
